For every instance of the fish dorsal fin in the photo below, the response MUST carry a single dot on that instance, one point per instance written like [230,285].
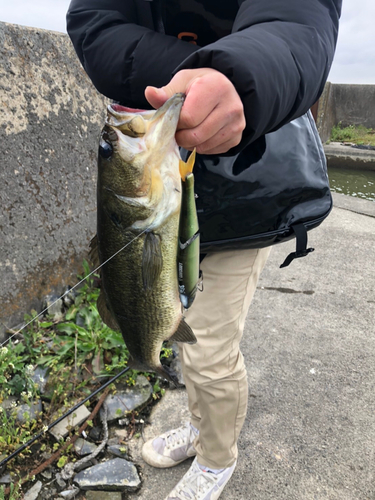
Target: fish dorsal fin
[184,334]
[152,260]
[93,253]
[105,313]
[187,168]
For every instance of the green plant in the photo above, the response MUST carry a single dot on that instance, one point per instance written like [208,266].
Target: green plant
[14,433]
[15,492]
[62,461]
[80,347]
[92,341]
[356,134]
[16,372]
[157,390]
[76,351]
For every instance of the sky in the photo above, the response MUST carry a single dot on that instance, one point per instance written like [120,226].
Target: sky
[355,55]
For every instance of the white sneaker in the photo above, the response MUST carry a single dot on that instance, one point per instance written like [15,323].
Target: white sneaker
[198,484]
[170,448]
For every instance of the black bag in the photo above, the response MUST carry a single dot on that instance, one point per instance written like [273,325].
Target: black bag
[272,191]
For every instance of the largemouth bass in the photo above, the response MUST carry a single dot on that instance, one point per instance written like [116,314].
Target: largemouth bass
[138,205]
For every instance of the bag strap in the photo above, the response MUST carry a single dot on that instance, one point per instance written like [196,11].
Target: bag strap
[301,245]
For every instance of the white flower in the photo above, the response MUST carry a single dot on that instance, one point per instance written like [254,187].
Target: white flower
[45,428]
[11,365]
[3,350]
[29,370]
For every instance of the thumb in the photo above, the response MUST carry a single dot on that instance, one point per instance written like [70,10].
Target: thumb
[179,83]
[156,97]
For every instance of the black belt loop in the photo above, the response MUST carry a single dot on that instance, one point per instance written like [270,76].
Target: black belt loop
[301,245]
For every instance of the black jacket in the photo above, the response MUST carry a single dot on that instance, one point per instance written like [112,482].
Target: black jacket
[278,55]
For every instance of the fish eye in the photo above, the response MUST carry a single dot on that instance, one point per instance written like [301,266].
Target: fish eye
[105,149]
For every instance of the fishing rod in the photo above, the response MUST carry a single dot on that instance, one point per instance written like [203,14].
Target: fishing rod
[72,410]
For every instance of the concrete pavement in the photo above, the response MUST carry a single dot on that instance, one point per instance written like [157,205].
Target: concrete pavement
[309,345]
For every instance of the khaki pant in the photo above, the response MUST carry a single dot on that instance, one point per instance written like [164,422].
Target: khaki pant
[213,368]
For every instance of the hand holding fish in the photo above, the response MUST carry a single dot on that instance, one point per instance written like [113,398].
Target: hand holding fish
[212,119]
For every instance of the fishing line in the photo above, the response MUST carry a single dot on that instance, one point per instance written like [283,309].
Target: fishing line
[75,286]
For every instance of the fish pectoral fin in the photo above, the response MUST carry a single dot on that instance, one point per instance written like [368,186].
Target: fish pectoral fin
[184,334]
[186,168]
[152,260]
[93,253]
[105,313]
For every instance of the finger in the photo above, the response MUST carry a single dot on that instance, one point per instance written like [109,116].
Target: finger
[228,137]
[218,128]
[156,97]
[209,128]
[179,83]
[201,100]
[219,143]
[221,149]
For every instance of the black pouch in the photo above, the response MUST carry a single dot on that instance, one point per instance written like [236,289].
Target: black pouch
[272,191]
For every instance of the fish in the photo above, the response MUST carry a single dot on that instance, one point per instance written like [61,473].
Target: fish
[139,195]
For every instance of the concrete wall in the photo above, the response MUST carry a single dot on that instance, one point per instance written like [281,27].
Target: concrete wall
[326,116]
[50,120]
[348,104]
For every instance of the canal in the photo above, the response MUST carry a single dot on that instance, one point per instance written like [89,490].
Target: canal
[360,184]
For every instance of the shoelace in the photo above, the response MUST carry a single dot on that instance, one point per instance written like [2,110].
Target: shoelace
[195,483]
[178,436]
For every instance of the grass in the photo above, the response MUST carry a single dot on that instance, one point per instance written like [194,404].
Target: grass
[79,352]
[15,493]
[356,134]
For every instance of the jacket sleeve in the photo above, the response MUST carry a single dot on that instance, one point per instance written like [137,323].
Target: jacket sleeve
[120,56]
[278,57]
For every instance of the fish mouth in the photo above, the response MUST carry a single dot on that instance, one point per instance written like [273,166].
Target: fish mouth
[119,108]
[136,122]
[172,106]
[121,113]
[162,126]
[131,122]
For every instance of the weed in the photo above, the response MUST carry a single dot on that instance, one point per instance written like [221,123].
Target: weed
[77,352]
[15,492]
[356,134]
[15,372]
[14,433]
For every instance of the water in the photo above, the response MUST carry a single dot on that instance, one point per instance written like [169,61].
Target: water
[360,184]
